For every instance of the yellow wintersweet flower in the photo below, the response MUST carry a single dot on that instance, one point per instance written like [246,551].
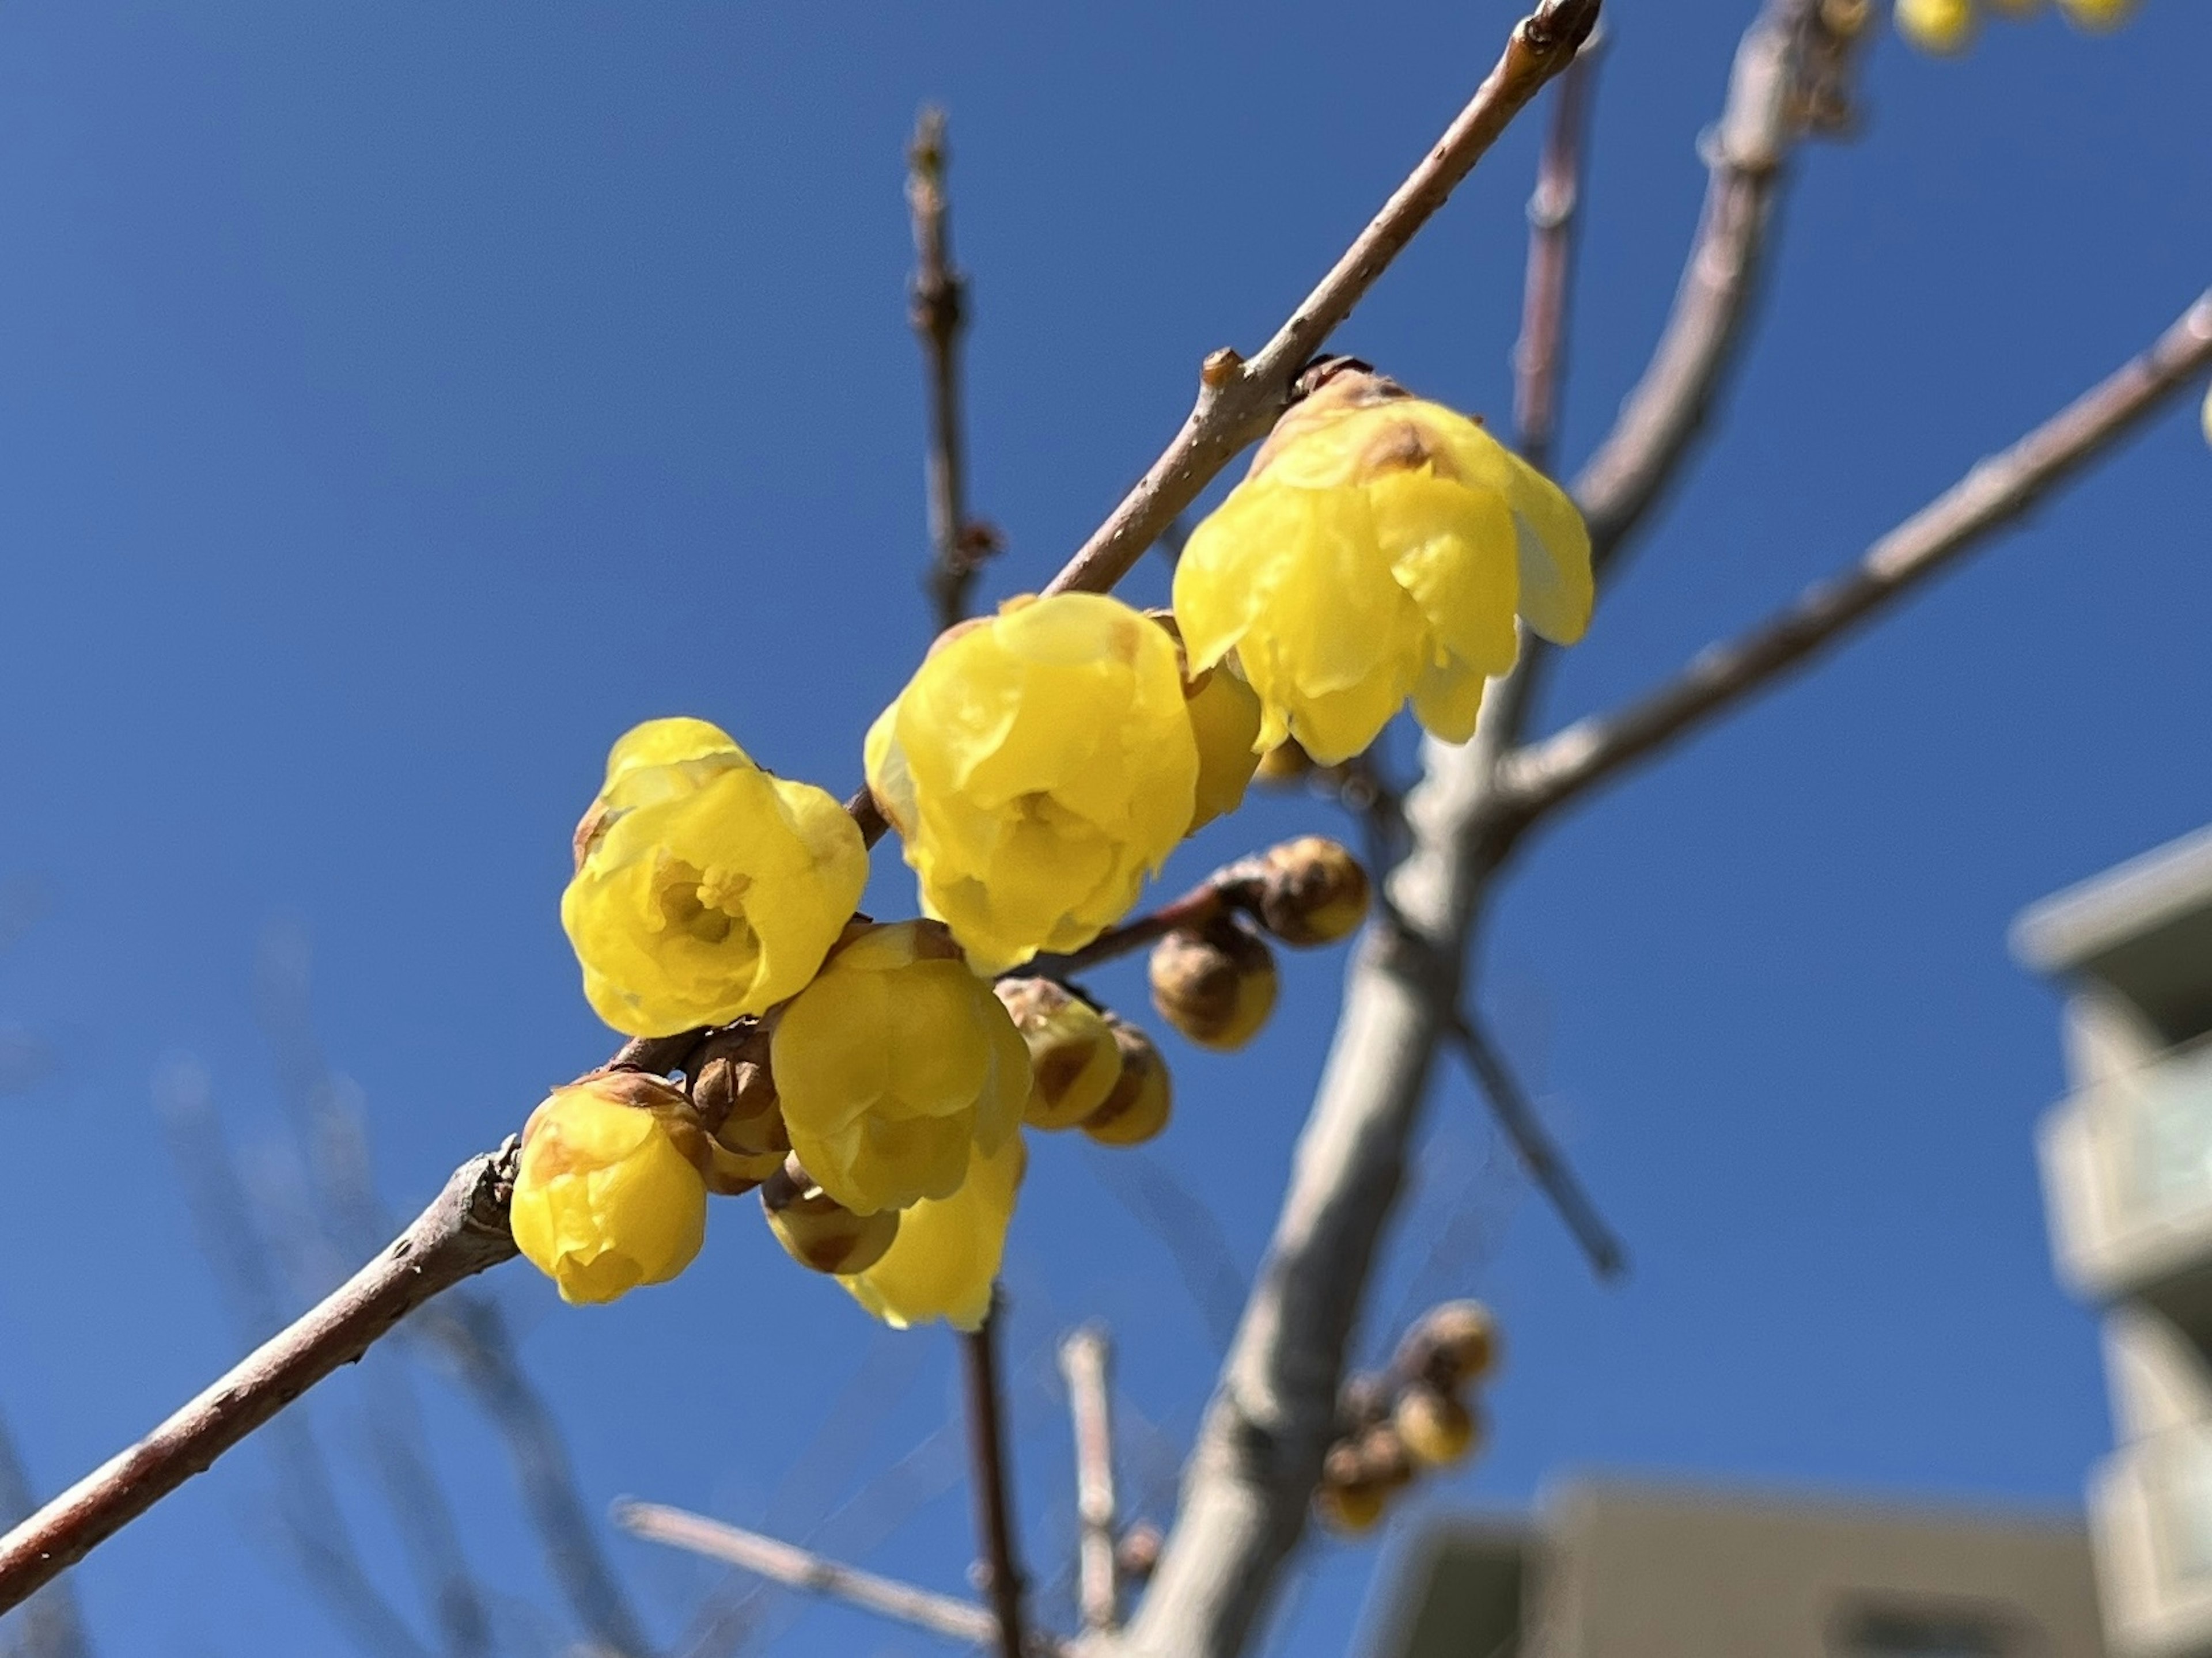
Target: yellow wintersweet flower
[1943,26]
[1225,719]
[1377,551]
[705,887]
[891,1064]
[1038,766]
[608,1195]
[2097,15]
[946,1254]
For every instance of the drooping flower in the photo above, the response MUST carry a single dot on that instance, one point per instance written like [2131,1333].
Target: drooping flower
[1225,719]
[1942,26]
[706,888]
[892,1064]
[609,1194]
[1038,766]
[947,1252]
[1378,551]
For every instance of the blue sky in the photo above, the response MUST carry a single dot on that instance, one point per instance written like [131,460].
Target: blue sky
[398,403]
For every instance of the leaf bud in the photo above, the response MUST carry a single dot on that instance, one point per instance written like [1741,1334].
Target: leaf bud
[1216,986]
[1138,1552]
[816,1230]
[1137,1108]
[1075,1062]
[1312,891]
[1435,1427]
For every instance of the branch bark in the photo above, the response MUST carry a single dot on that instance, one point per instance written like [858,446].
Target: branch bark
[1540,358]
[799,1569]
[1239,400]
[461,1233]
[1562,768]
[51,1626]
[1086,1360]
[940,315]
[987,1452]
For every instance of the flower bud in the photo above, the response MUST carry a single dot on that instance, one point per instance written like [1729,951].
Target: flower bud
[734,1094]
[1286,762]
[1385,1460]
[1137,1553]
[1347,1501]
[2097,15]
[1312,891]
[1453,1344]
[609,1194]
[1073,1059]
[1435,1427]
[1225,719]
[1217,988]
[1142,1095]
[817,1231]
[1942,26]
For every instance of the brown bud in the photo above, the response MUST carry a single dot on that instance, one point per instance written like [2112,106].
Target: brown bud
[1218,986]
[1142,1098]
[1435,1427]
[1364,1402]
[1347,1500]
[1385,1460]
[1221,366]
[1075,1062]
[1453,1344]
[1139,1551]
[1286,762]
[818,1232]
[1312,891]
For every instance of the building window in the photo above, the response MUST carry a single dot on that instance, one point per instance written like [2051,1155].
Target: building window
[1926,1632]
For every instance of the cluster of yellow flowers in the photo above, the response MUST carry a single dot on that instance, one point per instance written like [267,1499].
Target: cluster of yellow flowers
[1412,1416]
[1945,26]
[872,1081]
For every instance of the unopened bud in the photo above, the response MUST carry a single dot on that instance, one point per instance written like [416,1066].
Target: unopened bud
[1364,1402]
[818,1232]
[1075,1062]
[735,1096]
[1312,891]
[1347,1500]
[1217,988]
[1453,1344]
[1139,1551]
[1286,762]
[1435,1427]
[1142,1098]
[1385,1460]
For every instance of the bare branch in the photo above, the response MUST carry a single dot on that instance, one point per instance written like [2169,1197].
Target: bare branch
[1540,360]
[799,1568]
[1994,493]
[1546,1165]
[461,1233]
[1086,1360]
[51,1626]
[1669,407]
[939,315]
[986,1451]
[1239,400]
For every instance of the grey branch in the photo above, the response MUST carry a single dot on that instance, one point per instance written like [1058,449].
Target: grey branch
[799,1569]
[51,1626]
[1993,494]
[1086,1360]
[1540,357]
[461,1233]
[1545,1163]
[939,315]
[1239,400]
[986,1461]
[1260,1448]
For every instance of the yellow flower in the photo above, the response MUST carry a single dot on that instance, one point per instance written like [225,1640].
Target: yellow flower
[705,887]
[1377,551]
[1225,719]
[891,1064]
[1944,26]
[1038,766]
[608,1195]
[942,1263]
[2098,15]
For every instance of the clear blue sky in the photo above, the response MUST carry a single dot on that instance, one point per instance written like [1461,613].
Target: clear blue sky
[397,402]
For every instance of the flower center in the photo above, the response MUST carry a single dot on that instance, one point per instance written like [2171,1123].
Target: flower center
[708,904]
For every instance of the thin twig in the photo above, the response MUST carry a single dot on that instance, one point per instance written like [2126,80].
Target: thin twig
[1086,1360]
[1539,359]
[800,1568]
[1237,399]
[939,315]
[1994,493]
[986,1451]
[461,1232]
[1546,1165]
